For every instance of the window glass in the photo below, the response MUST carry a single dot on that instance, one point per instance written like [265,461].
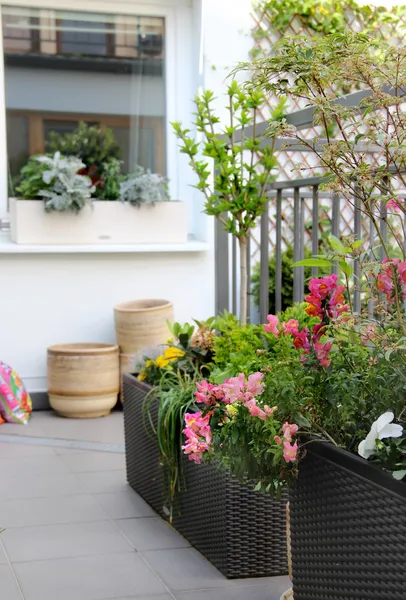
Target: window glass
[63,68]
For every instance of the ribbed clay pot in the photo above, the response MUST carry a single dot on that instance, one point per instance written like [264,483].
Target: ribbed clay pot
[142,324]
[83,379]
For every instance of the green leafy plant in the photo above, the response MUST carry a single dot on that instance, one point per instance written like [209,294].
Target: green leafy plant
[108,187]
[242,168]
[144,188]
[97,148]
[30,180]
[66,190]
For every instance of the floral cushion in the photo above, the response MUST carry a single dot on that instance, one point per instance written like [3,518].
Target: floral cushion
[15,402]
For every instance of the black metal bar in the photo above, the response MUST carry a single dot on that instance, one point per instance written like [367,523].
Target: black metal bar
[297,296]
[315,225]
[221,268]
[335,222]
[264,266]
[278,251]
[357,270]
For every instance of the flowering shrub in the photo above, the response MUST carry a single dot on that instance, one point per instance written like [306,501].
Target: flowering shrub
[335,377]
[242,431]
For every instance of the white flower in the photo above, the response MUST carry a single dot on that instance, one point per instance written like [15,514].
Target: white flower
[381,429]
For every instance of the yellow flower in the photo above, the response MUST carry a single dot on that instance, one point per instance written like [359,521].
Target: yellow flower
[149,363]
[142,376]
[231,410]
[162,362]
[173,353]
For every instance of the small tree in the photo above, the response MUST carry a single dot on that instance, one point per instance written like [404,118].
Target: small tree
[236,194]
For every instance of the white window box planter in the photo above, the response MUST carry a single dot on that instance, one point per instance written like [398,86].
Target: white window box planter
[104,222]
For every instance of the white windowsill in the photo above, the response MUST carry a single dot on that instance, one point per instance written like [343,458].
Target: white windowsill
[9,247]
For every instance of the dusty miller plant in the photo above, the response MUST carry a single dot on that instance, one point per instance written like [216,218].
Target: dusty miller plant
[67,190]
[242,168]
[144,187]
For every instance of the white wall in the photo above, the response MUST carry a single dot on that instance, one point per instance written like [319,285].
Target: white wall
[47,299]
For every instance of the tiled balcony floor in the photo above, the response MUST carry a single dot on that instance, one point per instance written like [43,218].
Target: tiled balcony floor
[76,531]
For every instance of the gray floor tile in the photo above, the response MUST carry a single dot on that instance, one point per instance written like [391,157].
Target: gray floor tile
[34,427]
[8,586]
[273,590]
[88,578]
[11,450]
[151,534]
[125,504]
[160,597]
[32,465]
[104,481]
[64,541]
[48,511]
[41,486]
[109,430]
[94,461]
[185,569]
[3,558]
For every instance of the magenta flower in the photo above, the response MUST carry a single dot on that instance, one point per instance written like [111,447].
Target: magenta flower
[320,287]
[289,429]
[393,204]
[289,451]
[302,340]
[272,325]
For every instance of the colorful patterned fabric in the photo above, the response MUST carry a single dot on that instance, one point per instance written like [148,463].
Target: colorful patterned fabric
[15,402]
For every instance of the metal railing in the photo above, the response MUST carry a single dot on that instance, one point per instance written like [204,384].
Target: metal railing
[226,271]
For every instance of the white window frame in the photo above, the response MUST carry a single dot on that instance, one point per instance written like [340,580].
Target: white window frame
[152,8]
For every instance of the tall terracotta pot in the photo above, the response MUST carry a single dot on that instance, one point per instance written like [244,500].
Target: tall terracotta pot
[83,379]
[140,325]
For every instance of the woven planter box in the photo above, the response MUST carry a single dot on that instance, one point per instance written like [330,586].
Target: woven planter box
[240,531]
[348,529]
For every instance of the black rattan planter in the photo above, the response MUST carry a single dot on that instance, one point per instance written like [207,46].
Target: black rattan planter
[348,529]
[240,531]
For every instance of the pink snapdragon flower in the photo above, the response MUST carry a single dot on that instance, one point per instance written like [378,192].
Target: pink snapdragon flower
[278,440]
[289,451]
[291,327]
[368,334]
[255,410]
[289,429]
[204,392]
[270,411]
[255,385]
[272,325]
[323,353]
[198,435]
[302,340]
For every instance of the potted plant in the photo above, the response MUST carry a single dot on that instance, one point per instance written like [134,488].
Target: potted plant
[241,532]
[83,180]
[342,431]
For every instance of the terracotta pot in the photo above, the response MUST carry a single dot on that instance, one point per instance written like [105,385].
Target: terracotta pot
[142,324]
[83,379]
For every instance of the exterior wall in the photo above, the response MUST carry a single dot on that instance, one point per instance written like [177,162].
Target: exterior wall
[56,298]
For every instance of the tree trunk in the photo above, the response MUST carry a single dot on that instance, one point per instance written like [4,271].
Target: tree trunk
[243,279]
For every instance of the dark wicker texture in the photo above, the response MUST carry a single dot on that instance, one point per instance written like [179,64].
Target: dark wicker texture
[348,529]
[240,531]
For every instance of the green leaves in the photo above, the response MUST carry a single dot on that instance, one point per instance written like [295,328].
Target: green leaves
[313,262]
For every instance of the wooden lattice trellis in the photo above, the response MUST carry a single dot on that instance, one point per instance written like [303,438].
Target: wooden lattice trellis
[265,36]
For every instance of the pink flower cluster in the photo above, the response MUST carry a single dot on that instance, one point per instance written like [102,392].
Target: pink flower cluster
[198,435]
[385,280]
[289,449]
[236,389]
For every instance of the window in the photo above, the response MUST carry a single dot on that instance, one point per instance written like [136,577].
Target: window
[62,68]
